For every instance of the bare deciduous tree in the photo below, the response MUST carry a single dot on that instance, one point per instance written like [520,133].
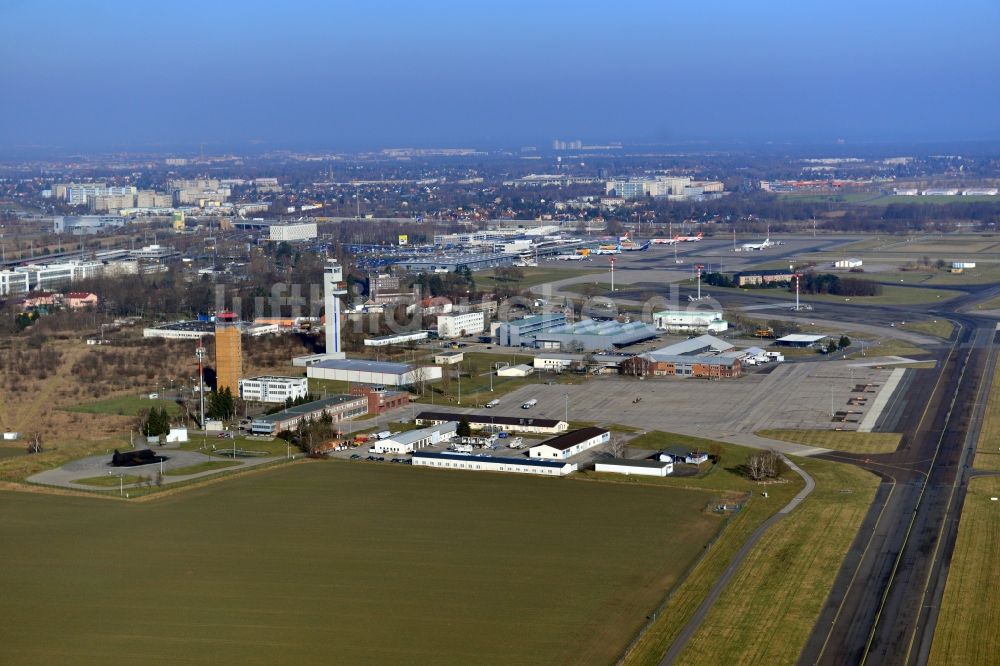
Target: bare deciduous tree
[616,446]
[34,443]
[764,465]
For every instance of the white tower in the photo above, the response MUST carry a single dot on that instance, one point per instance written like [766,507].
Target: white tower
[333,289]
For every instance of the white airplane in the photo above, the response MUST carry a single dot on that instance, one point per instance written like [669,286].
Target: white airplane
[689,239]
[752,247]
[664,241]
[570,257]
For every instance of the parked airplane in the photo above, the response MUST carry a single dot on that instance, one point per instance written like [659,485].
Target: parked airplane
[609,249]
[752,247]
[571,257]
[689,239]
[664,241]
[632,247]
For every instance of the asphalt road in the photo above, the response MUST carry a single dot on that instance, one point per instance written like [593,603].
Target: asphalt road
[881,608]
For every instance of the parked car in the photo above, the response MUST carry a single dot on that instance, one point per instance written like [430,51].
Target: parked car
[355,457]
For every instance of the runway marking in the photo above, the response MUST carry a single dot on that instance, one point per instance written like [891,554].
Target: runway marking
[951,497]
[881,400]
[920,497]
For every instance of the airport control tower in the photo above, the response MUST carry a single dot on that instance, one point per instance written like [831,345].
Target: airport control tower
[333,289]
[228,352]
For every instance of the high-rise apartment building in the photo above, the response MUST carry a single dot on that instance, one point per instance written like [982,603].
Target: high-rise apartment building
[228,352]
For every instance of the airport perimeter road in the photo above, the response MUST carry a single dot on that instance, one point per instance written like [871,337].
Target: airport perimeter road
[881,609]
[713,595]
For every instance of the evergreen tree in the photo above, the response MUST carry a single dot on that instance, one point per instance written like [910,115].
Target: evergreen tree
[463,429]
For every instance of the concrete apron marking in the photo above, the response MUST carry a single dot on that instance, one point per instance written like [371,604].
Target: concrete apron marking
[881,400]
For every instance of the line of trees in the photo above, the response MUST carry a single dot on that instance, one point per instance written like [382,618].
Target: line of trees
[828,283]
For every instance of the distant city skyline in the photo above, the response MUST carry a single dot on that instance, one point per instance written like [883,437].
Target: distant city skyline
[126,76]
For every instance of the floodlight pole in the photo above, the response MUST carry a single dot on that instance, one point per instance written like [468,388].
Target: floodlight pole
[567,408]
[699,267]
[612,274]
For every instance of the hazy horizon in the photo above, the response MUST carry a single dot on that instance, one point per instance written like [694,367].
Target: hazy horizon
[125,76]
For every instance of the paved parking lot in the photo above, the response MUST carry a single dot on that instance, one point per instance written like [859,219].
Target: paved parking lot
[793,395]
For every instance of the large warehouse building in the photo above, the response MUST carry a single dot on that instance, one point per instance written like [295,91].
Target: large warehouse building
[705,357]
[522,332]
[492,423]
[592,335]
[490,464]
[569,444]
[414,440]
[685,321]
[373,372]
[338,407]
[630,467]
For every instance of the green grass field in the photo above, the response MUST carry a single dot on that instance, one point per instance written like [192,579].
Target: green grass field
[839,440]
[686,598]
[886,347]
[345,563]
[128,405]
[970,610]
[209,444]
[939,328]
[767,612]
[988,447]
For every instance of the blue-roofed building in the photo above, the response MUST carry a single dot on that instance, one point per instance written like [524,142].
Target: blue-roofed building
[476,463]
[592,335]
[522,332]
[359,371]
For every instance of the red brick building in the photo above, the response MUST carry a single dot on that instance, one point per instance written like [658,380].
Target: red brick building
[381,400]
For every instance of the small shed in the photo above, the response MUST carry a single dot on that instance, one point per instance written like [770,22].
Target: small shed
[522,370]
[449,357]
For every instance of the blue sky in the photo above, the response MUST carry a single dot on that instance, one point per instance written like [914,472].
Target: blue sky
[130,75]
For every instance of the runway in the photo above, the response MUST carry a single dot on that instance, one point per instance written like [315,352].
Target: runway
[878,611]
